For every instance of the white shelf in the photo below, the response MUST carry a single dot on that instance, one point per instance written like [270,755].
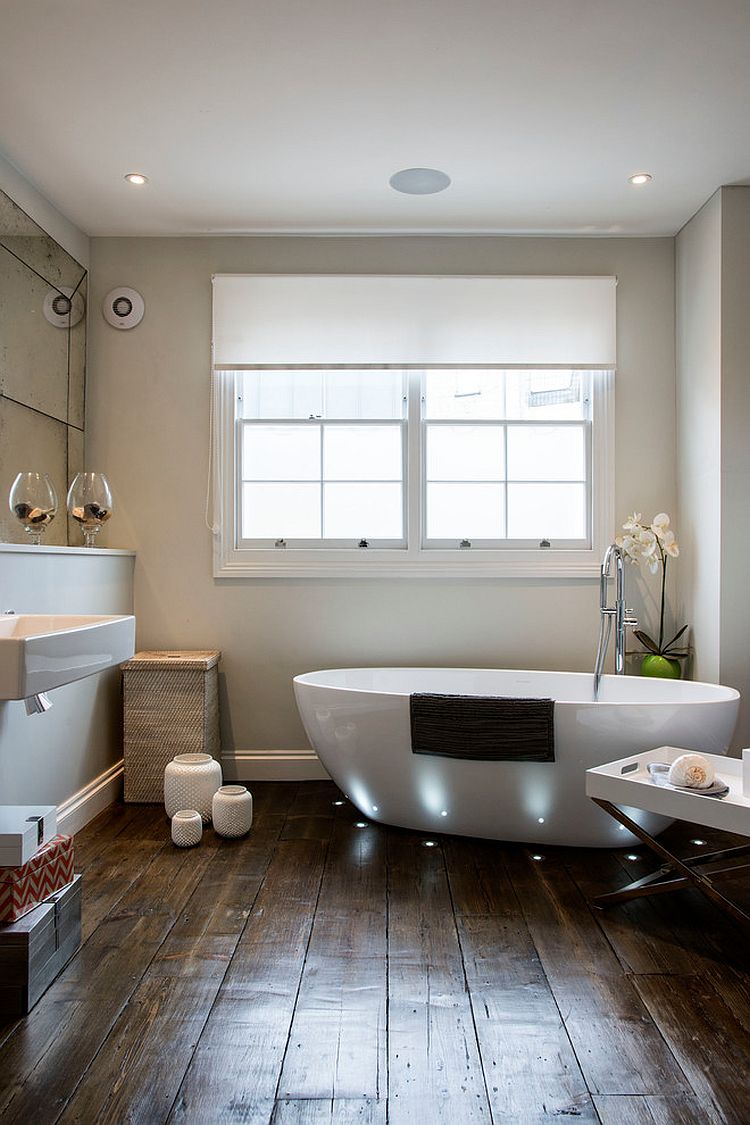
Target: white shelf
[90,552]
[622,784]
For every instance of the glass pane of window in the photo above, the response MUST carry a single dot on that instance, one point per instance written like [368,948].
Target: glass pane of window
[279,510]
[281,452]
[537,395]
[465,511]
[465,453]
[464,394]
[546,511]
[281,394]
[364,394]
[362,511]
[546,453]
[362,453]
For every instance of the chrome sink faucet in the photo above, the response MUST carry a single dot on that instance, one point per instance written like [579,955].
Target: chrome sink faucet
[621,616]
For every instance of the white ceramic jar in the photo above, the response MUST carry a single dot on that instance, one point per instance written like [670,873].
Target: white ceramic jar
[187,828]
[232,810]
[190,781]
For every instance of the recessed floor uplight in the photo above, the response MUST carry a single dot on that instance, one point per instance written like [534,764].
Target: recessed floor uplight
[429,843]
[361,824]
[419,181]
[537,858]
[338,803]
[640,178]
[633,856]
[698,843]
[136,178]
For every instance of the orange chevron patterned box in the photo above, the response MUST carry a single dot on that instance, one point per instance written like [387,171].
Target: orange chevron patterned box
[22,888]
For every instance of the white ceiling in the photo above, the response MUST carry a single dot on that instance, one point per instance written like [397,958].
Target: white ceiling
[290,115]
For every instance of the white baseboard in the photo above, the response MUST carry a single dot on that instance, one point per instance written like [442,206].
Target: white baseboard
[83,806]
[273,765]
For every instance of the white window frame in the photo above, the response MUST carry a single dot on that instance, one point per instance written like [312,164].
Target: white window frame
[232,560]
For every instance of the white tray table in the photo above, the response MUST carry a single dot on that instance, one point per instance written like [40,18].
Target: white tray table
[628,783]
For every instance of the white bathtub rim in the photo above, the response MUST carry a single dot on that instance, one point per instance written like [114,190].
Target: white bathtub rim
[728,694]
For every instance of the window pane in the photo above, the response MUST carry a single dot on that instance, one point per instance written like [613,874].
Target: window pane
[546,453]
[362,511]
[282,394]
[537,395]
[280,511]
[465,453]
[464,394]
[465,511]
[362,453]
[281,452]
[364,394]
[546,511]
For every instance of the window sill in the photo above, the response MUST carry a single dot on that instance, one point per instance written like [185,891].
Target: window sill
[521,564]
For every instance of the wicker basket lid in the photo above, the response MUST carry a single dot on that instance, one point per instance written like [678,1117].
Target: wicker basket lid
[174,658]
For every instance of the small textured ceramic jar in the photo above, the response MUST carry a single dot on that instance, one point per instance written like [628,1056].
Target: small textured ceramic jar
[232,810]
[190,781]
[187,828]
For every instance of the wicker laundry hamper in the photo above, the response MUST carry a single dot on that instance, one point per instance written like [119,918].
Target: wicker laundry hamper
[171,706]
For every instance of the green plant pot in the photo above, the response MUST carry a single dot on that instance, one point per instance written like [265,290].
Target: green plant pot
[660,667]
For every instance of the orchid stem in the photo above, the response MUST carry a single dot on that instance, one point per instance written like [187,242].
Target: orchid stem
[663,592]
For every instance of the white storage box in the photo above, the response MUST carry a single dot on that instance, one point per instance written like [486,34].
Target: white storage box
[23,830]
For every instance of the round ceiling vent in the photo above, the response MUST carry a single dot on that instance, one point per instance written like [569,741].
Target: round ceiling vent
[123,307]
[63,307]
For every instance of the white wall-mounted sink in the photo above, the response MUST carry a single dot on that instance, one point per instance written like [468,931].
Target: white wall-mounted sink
[39,652]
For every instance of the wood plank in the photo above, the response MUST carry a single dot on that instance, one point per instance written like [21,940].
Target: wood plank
[641,934]
[235,1069]
[120,862]
[311,815]
[315,1111]
[40,1067]
[712,1047]
[133,1077]
[652,1110]
[618,1047]
[529,1064]
[337,1043]
[91,840]
[435,1071]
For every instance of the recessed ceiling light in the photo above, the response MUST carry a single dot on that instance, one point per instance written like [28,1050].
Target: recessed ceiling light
[136,178]
[640,178]
[419,181]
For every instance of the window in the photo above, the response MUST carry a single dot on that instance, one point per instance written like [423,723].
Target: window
[438,471]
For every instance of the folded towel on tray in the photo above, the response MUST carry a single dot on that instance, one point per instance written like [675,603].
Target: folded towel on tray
[483,728]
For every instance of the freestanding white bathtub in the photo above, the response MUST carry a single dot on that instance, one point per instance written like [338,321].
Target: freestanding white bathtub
[357,719]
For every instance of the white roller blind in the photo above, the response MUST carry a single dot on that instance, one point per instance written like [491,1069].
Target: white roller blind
[425,321]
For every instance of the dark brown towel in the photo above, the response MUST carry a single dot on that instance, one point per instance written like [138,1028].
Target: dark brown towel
[483,728]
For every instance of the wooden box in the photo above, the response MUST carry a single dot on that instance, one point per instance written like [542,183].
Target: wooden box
[37,947]
[171,706]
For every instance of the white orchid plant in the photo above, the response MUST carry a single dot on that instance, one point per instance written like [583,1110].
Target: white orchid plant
[652,545]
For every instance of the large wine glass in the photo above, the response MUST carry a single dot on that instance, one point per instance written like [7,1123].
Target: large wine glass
[33,501]
[90,504]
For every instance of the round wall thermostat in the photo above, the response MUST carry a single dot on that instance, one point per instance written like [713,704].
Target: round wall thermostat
[63,307]
[123,308]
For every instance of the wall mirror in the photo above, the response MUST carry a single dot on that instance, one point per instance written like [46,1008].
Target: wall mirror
[43,295]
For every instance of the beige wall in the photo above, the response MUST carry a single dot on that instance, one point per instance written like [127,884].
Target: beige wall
[698,289]
[713,391]
[147,427]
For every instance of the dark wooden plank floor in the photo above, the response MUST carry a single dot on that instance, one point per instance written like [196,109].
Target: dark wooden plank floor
[317,973]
